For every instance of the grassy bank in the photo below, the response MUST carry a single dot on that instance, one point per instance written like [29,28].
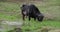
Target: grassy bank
[51,10]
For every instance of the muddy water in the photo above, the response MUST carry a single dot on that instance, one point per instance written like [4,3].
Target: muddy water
[8,25]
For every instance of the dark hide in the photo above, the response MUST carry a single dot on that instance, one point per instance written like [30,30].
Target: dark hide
[32,12]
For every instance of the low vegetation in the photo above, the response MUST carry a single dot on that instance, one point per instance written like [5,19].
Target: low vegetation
[51,10]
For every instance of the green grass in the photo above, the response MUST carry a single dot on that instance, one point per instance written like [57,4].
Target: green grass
[35,25]
[52,7]
[11,11]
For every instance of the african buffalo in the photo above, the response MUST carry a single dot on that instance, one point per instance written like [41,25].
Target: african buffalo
[31,11]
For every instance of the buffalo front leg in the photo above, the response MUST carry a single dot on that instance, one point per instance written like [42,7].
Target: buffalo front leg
[34,19]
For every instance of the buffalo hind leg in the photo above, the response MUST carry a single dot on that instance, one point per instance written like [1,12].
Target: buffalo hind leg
[29,18]
[23,17]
